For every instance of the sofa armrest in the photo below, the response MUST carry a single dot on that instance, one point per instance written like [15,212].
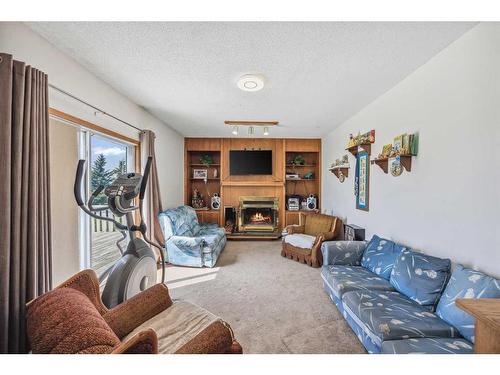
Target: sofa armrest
[145,342]
[130,314]
[346,253]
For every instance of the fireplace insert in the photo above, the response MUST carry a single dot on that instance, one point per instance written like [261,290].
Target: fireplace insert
[259,214]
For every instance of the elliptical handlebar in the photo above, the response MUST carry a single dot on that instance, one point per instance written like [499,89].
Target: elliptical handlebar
[78,183]
[77,190]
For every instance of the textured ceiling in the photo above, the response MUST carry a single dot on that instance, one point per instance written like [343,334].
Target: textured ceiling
[317,74]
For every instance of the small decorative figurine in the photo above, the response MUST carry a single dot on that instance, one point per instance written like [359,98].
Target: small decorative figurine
[197,200]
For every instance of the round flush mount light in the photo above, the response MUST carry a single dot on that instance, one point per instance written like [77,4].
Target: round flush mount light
[251,82]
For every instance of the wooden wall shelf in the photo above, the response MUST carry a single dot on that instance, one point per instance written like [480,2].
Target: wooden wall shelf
[336,170]
[383,163]
[364,147]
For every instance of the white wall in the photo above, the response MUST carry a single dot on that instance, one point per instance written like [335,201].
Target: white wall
[25,45]
[448,205]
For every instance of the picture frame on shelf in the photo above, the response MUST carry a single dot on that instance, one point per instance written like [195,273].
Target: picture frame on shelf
[200,174]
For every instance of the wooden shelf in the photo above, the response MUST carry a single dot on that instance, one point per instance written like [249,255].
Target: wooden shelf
[335,171]
[301,165]
[203,180]
[383,163]
[364,147]
[252,183]
[300,179]
[203,165]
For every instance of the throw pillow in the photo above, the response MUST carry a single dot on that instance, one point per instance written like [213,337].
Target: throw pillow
[380,255]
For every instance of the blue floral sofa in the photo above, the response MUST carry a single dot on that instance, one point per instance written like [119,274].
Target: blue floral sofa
[189,243]
[400,301]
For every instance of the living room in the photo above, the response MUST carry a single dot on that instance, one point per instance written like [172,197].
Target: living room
[252,187]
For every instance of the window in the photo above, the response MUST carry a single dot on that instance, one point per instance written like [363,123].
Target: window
[107,158]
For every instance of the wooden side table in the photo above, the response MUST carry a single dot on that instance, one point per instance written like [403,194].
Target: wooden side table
[486,311]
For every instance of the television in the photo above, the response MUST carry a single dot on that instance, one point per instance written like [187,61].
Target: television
[250,162]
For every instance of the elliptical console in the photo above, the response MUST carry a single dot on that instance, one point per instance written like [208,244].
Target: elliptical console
[136,270]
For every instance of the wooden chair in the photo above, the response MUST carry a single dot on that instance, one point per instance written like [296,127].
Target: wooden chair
[303,242]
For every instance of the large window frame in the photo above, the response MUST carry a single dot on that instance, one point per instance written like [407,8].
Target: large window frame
[87,129]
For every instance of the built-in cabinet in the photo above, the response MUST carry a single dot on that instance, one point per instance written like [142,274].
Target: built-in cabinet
[231,188]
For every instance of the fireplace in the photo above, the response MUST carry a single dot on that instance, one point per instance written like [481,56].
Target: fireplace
[258,214]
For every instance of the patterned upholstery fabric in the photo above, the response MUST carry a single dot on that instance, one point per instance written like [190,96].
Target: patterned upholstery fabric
[428,346]
[65,321]
[343,279]
[342,252]
[420,277]
[189,243]
[380,255]
[465,283]
[383,315]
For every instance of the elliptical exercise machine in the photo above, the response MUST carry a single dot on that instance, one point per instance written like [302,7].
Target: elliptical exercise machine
[136,270]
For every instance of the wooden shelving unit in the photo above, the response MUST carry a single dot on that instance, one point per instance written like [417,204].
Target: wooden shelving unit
[207,188]
[383,163]
[301,186]
[231,188]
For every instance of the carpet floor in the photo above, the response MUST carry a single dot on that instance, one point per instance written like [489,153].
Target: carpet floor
[273,304]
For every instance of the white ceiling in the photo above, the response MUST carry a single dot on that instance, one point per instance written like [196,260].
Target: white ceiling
[317,74]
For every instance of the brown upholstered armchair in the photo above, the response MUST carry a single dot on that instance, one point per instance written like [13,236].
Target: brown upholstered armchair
[303,242]
[72,319]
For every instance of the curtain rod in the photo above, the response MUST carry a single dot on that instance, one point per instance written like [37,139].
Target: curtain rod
[93,107]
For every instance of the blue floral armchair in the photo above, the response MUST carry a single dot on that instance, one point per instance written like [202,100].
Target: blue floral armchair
[189,243]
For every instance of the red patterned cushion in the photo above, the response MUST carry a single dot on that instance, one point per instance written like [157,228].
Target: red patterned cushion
[65,321]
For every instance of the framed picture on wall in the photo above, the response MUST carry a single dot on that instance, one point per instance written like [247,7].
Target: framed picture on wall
[363,180]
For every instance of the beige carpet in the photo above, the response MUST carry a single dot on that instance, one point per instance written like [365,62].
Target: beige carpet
[274,305]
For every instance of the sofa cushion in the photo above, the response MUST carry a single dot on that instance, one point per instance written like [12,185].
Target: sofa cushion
[420,277]
[184,323]
[385,315]
[303,241]
[428,346]
[343,279]
[65,321]
[465,283]
[380,255]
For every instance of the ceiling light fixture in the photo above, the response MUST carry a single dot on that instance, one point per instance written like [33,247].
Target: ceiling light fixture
[251,82]
[235,124]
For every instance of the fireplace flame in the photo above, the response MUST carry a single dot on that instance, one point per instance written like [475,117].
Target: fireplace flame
[260,218]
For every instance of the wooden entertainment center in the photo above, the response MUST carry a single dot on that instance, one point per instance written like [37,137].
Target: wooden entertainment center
[232,188]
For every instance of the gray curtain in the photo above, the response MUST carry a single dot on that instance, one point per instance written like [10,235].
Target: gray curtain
[147,139]
[25,232]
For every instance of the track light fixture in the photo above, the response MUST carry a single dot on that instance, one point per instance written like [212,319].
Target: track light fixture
[235,124]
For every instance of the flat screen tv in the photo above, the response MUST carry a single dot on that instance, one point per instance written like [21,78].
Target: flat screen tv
[250,162]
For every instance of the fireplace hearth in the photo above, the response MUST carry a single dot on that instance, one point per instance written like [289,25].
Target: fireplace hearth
[258,214]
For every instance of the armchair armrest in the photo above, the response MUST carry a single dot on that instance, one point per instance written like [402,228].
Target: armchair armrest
[130,314]
[346,253]
[291,229]
[145,342]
